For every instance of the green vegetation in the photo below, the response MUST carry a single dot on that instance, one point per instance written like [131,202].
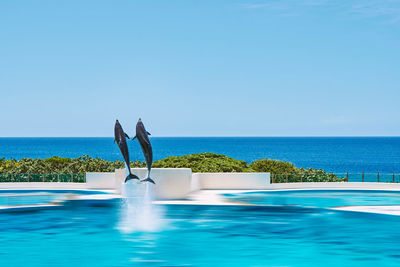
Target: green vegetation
[271,165]
[52,177]
[65,169]
[204,162]
[56,169]
[286,172]
[62,165]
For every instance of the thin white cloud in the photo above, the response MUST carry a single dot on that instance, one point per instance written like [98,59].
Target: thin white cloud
[250,6]
[387,11]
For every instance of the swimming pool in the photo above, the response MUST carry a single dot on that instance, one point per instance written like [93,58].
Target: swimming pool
[319,198]
[34,197]
[200,235]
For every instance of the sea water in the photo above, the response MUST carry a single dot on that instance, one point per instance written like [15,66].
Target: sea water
[336,154]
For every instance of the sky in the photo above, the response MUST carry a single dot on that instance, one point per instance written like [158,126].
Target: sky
[200,68]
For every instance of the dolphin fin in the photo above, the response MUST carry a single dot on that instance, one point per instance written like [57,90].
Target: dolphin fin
[126,136]
[148,133]
[130,177]
[133,138]
[148,179]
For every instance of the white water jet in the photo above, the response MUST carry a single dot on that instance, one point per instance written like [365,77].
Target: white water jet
[137,212]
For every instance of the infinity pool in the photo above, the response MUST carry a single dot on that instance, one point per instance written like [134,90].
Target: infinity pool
[199,235]
[319,198]
[34,197]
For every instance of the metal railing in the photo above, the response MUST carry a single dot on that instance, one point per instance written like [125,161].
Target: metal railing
[335,177]
[50,177]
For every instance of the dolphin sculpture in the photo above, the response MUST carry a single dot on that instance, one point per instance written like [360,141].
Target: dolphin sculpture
[143,138]
[121,141]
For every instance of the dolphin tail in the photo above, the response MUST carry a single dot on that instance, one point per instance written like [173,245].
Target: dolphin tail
[148,179]
[130,177]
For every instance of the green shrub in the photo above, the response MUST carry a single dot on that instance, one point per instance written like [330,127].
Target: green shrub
[204,162]
[62,165]
[271,165]
[314,175]
[64,169]
[286,172]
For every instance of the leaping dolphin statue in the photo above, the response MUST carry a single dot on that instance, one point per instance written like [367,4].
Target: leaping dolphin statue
[143,138]
[120,135]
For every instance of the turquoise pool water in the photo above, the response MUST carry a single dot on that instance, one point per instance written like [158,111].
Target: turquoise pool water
[7,199]
[319,198]
[82,235]
[33,197]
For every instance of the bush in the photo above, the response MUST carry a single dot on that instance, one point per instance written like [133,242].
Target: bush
[283,171]
[204,162]
[271,165]
[61,169]
[314,175]
[62,165]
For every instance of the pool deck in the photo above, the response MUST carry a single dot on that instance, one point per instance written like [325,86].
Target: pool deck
[205,197]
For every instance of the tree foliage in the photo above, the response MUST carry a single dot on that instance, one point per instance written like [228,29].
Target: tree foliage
[62,165]
[283,171]
[271,165]
[204,162]
[201,162]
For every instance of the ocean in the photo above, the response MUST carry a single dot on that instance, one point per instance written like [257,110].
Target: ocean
[334,154]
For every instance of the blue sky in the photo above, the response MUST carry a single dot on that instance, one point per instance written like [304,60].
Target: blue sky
[200,68]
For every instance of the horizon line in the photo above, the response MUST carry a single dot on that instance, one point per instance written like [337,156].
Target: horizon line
[219,136]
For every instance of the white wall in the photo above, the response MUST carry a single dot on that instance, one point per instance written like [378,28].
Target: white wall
[100,180]
[237,180]
[171,183]
[177,183]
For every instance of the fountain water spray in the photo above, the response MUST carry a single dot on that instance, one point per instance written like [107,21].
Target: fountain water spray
[137,213]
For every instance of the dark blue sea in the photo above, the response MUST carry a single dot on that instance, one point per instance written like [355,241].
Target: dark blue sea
[336,154]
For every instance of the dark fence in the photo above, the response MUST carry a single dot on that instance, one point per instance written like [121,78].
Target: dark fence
[335,177]
[51,177]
